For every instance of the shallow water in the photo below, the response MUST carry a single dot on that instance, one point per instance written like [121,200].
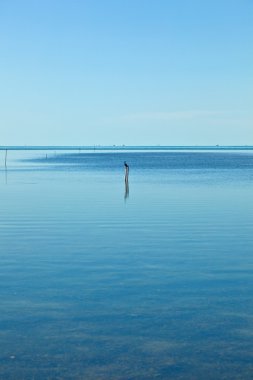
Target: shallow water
[98,282]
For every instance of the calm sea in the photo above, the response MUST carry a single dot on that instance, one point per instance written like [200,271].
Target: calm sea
[103,281]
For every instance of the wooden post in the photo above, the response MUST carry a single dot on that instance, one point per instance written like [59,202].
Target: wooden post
[126,171]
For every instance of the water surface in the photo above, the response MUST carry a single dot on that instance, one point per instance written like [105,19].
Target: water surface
[98,282]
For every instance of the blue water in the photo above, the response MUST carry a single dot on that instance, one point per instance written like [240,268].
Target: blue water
[103,282]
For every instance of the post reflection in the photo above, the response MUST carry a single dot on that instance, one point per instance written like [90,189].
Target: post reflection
[6,175]
[126,189]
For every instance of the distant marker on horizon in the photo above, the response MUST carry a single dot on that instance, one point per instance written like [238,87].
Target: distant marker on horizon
[5,161]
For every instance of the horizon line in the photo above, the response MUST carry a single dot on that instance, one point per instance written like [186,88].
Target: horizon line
[124,147]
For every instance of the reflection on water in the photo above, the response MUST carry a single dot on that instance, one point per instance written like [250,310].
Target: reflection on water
[126,189]
[6,175]
[162,288]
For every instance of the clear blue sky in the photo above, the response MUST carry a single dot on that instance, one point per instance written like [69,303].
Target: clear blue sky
[126,72]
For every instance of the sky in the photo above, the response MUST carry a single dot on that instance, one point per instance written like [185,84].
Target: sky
[133,72]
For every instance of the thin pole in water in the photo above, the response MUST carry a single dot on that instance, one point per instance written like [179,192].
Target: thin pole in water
[126,180]
[126,171]
[5,161]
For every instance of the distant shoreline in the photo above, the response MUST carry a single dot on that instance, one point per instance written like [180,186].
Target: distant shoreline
[126,147]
